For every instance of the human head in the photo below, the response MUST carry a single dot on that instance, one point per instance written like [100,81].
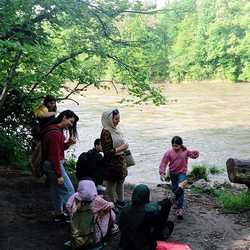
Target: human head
[140,195]
[177,143]
[98,145]
[67,120]
[110,118]
[50,102]
[86,190]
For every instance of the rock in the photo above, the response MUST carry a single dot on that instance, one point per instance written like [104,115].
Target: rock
[202,184]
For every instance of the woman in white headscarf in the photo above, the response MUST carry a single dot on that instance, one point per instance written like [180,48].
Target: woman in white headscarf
[113,145]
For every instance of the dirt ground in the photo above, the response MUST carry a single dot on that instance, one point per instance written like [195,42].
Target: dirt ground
[26,223]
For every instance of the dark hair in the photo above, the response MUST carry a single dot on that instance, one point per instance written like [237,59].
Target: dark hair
[177,140]
[115,112]
[97,142]
[68,114]
[49,98]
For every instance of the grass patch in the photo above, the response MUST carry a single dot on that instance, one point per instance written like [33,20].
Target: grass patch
[210,191]
[231,201]
[216,170]
[198,172]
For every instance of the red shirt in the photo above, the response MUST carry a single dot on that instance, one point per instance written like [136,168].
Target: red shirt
[54,146]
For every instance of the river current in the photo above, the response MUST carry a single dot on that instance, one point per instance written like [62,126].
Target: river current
[211,117]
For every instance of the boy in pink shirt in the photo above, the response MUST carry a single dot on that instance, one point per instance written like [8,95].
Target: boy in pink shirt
[177,159]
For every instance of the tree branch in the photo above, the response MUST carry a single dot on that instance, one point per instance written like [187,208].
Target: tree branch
[10,76]
[107,35]
[57,64]
[23,27]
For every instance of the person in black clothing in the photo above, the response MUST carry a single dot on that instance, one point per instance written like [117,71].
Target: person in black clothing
[90,165]
[142,223]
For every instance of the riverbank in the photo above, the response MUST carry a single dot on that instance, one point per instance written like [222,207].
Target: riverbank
[26,222]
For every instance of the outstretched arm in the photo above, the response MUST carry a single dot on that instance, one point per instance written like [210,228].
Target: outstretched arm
[193,154]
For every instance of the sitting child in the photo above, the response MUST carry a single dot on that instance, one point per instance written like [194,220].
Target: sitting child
[92,217]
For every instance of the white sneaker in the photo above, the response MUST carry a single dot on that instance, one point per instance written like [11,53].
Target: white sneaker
[101,188]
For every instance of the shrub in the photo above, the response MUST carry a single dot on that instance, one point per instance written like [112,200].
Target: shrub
[216,170]
[198,172]
[13,152]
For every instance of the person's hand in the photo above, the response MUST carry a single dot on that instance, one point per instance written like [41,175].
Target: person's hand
[163,177]
[72,140]
[121,148]
[60,180]
[124,146]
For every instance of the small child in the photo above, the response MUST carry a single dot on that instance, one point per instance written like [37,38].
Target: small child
[46,112]
[177,159]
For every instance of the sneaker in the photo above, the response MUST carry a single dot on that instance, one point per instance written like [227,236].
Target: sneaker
[101,188]
[179,213]
[167,231]
[120,204]
[114,230]
[61,218]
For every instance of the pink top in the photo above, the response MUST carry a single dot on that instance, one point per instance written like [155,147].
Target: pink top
[177,161]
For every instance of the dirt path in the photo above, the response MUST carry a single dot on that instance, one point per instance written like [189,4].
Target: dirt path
[26,222]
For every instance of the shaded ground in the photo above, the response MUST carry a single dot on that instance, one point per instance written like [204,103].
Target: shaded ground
[25,220]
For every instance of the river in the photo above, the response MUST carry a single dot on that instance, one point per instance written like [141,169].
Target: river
[211,117]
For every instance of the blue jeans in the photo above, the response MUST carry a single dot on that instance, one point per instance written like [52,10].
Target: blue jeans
[176,179]
[60,193]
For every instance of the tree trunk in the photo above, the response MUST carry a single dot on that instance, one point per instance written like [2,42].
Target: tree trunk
[239,171]
[9,79]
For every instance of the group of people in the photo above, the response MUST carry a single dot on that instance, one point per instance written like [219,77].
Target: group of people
[141,222]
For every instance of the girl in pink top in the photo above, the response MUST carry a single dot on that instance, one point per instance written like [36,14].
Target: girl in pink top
[177,159]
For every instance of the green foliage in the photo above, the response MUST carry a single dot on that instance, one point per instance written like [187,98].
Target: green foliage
[232,201]
[44,43]
[13,152]
[198,172]
[215,170]
[207,39]
[70,163]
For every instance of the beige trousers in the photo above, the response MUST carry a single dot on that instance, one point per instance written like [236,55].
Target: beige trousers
[114,190]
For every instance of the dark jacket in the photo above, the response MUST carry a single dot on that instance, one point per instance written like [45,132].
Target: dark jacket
[114,165]
[90,164]
[137,220]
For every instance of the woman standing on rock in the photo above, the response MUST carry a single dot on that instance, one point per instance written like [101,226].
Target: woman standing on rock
[53,145]
[113,145]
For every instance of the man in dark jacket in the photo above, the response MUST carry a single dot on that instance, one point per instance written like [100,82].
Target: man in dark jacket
[90,165]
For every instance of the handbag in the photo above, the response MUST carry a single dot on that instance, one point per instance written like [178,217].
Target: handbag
[128,158]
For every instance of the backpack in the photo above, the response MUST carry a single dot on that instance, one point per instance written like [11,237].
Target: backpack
[83,232]
[82,165]
[36,160]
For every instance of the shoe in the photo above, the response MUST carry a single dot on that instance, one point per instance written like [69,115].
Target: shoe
[120,204]
[114,230]
[167,231]
[101,188]
[179,213]
[61,218]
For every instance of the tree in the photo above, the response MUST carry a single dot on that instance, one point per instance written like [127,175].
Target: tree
[43,43]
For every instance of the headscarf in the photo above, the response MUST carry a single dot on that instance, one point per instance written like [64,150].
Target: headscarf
[86,191]
[116,134]
[140,195]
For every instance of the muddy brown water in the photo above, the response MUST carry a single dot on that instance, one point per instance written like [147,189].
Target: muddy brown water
[211,117]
